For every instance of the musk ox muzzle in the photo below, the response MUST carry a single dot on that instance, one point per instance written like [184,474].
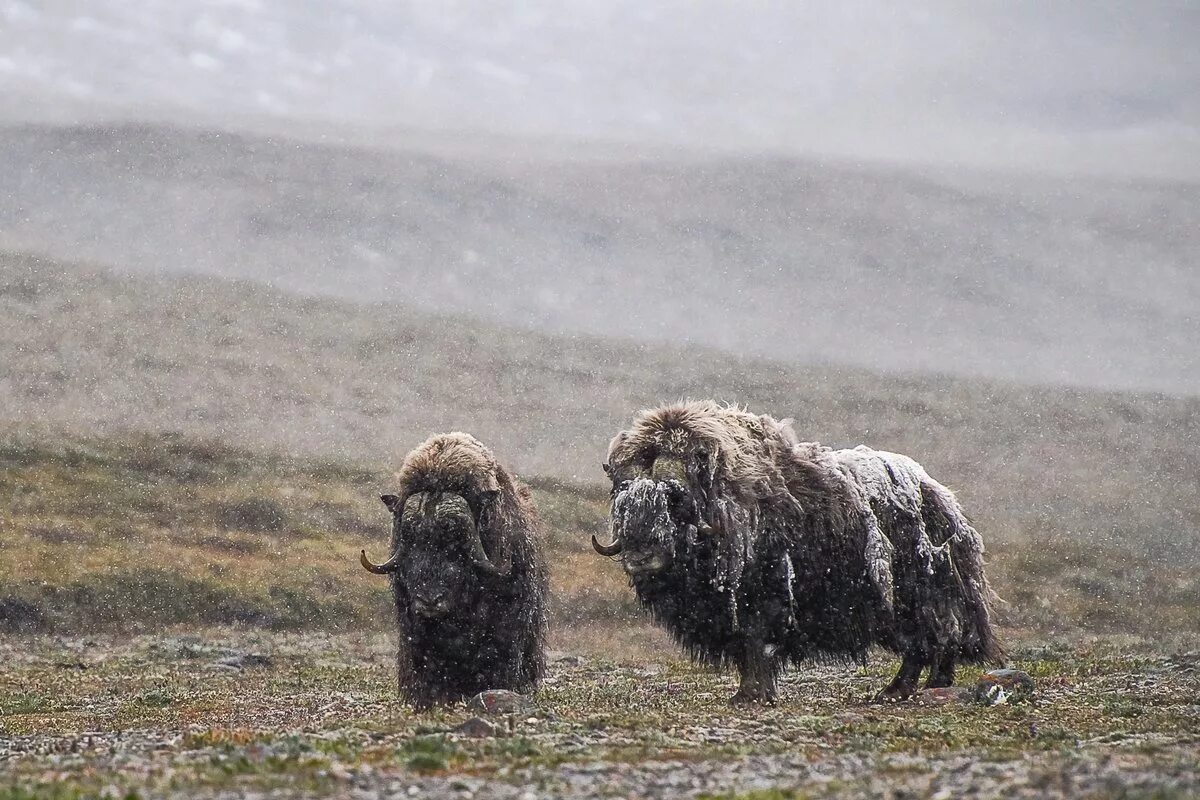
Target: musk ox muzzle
[650,518]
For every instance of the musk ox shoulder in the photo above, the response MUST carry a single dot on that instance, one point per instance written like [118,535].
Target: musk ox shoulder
[467,573]
[756,550]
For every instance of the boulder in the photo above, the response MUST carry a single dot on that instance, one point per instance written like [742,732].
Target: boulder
[1003,686]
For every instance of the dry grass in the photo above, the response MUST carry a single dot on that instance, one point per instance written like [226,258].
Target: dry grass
[142,532]
[103,355]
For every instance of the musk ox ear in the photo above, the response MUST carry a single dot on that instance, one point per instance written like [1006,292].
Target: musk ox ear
[607,468]
[391,501]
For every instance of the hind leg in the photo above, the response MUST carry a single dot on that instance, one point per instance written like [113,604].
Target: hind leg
[905,682]
[941,674]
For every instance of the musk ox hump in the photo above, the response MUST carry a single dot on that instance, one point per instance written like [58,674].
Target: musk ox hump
[738,442]
[451,462]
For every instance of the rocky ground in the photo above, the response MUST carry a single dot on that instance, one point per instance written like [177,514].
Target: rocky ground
[233,713]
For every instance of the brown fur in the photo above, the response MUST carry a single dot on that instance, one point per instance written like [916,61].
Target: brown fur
[874,550]
[497,638]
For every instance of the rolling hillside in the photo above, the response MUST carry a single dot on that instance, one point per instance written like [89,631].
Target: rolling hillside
[95,353]
[1083,282]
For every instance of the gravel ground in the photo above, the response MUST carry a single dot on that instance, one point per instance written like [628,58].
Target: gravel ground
[240,713]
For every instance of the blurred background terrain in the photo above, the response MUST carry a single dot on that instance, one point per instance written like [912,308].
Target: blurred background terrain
[251,252]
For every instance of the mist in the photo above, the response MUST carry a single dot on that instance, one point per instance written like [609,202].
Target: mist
[781,331]
[1067,87]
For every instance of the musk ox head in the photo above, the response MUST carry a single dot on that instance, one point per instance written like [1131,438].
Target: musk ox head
[451,492]
[679,477]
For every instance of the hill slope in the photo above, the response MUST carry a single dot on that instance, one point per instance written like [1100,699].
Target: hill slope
[1083,282]
[100,354]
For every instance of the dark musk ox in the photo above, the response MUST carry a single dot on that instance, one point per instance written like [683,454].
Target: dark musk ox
[757,550]
[467,574]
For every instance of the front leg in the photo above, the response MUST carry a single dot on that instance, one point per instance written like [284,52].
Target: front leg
[759,670]
[905,682]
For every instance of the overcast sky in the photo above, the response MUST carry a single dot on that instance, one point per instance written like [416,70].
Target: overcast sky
[1107,85]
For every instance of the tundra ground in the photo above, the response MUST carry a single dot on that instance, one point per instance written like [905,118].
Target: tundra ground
[141,578]
[227,712]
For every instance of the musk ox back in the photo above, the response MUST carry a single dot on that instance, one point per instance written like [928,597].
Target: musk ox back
[757,550]
[467,574]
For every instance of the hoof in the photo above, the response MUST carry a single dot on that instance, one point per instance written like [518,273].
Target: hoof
[893,694]
[744,698]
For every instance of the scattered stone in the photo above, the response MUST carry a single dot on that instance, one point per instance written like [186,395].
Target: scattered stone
[240,661]
[1003,686]
[72,664]
[946,695]
[477,728]
[500,702]
[569,660]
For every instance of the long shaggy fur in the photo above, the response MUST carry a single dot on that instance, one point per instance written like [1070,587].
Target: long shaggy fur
[495,638]
[785,550]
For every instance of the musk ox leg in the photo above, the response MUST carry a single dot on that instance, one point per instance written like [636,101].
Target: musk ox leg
[759,672]
[905,682]
[941,674]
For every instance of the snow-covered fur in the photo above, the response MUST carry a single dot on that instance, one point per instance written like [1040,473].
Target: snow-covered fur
[469,619]
[757,550]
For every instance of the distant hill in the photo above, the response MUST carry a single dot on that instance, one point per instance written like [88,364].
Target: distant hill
[1061,281]
[99,353]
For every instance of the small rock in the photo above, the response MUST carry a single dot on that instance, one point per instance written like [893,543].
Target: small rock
[1003,686]
[244,660]
[946,695]
[500,701]
[476,728]
[569,660]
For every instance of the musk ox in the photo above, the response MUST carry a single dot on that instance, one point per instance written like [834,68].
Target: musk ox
[757,550]
[467,573]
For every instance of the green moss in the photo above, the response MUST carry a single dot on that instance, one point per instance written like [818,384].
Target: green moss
[426,754]
[758,794]
[25,703]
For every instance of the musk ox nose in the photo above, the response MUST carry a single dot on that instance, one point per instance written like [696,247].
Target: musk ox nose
[680,501]
[431,605]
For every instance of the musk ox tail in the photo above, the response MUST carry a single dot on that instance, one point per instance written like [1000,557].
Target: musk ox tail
[948,526]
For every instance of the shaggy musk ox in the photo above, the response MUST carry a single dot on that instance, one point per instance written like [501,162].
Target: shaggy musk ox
[757,550]
[467,574]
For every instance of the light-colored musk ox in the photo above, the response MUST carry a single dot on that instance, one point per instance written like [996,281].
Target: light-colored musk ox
[757,550]
[467,574]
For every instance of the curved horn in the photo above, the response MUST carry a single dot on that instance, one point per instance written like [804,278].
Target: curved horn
[480,560]
[386,568]
[608,550]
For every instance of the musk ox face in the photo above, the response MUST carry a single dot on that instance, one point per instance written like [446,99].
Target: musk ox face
[434,530]
[660,495]
[438,555]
